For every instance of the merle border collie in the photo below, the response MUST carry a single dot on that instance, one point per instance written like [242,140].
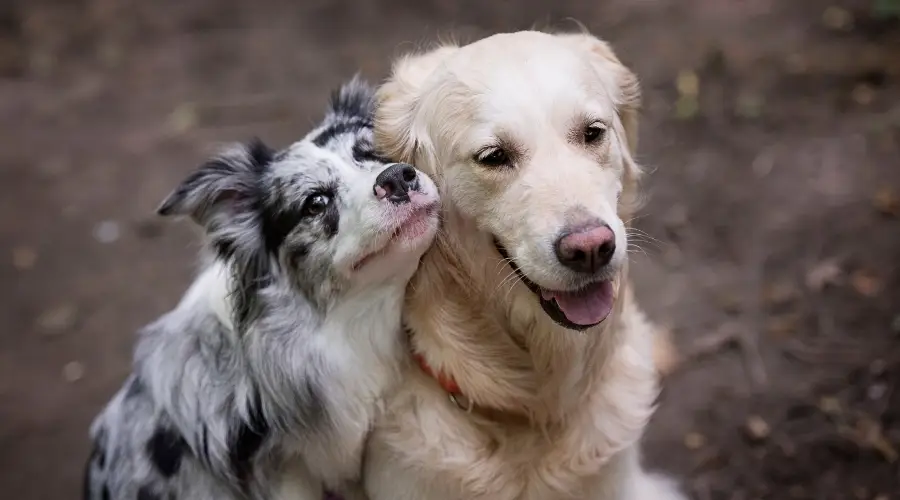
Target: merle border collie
[265,378]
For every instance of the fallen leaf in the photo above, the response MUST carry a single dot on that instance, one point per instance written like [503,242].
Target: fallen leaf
[183,118]
[688,83]
[837,18]
[24,258]
[686,107]
[756,428]
[57,319]
[866,283]
[825,273]
[887,202]
[830,405]
[870,433]
[694,440]
[780,293]
[783,325]
[863,94]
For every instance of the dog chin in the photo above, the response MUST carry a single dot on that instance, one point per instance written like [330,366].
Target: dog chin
[409,238]
[576,309]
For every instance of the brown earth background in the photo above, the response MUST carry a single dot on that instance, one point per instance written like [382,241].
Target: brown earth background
[772,130]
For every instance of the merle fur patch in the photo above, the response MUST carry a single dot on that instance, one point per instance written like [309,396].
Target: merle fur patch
[145,492]
[245,442]
[364,151]
[98,452]
[166,449]
[136,387]
[335,129]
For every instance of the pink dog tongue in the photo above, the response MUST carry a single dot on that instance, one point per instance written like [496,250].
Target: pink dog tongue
[584,307]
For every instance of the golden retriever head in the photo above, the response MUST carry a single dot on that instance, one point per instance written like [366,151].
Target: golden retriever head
[529,136]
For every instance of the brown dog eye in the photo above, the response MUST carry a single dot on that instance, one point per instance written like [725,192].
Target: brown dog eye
[594,132]
[315,205]
[492,157]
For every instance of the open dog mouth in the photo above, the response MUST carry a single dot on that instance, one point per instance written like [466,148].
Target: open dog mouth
[573,309]
[411,228]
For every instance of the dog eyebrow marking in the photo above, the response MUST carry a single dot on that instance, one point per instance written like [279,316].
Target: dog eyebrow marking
[364,152]
[166,449]
[340,128]
[277,225]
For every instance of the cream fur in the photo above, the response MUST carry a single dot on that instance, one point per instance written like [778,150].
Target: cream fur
[567,409]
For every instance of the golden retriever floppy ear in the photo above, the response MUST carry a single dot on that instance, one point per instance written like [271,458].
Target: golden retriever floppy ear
[398,100]
[626,92]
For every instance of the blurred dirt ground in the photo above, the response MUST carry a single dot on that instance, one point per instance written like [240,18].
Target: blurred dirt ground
[772,130]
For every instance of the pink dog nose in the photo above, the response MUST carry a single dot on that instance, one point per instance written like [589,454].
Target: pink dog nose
[586,250]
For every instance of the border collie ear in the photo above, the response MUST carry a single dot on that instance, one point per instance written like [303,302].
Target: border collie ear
[229,182]
[354,99]
[224,196]
[398,100]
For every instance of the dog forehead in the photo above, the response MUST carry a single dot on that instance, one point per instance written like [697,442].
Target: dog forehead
[511,56]
[305,164]
[522,81]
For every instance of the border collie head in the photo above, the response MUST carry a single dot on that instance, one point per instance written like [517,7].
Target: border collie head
[326,216]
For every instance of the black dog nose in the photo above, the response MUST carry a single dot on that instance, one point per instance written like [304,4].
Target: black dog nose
[586,250]
[395,183]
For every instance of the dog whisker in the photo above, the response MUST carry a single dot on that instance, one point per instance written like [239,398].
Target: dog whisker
[510,275]
[636,231]
[515,280]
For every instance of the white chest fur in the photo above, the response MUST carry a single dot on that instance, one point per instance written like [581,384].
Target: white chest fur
[354,357]
[363,350]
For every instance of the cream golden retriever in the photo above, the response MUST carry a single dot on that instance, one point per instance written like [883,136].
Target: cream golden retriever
[535,377]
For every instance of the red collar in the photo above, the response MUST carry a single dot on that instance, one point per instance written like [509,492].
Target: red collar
[446,382]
